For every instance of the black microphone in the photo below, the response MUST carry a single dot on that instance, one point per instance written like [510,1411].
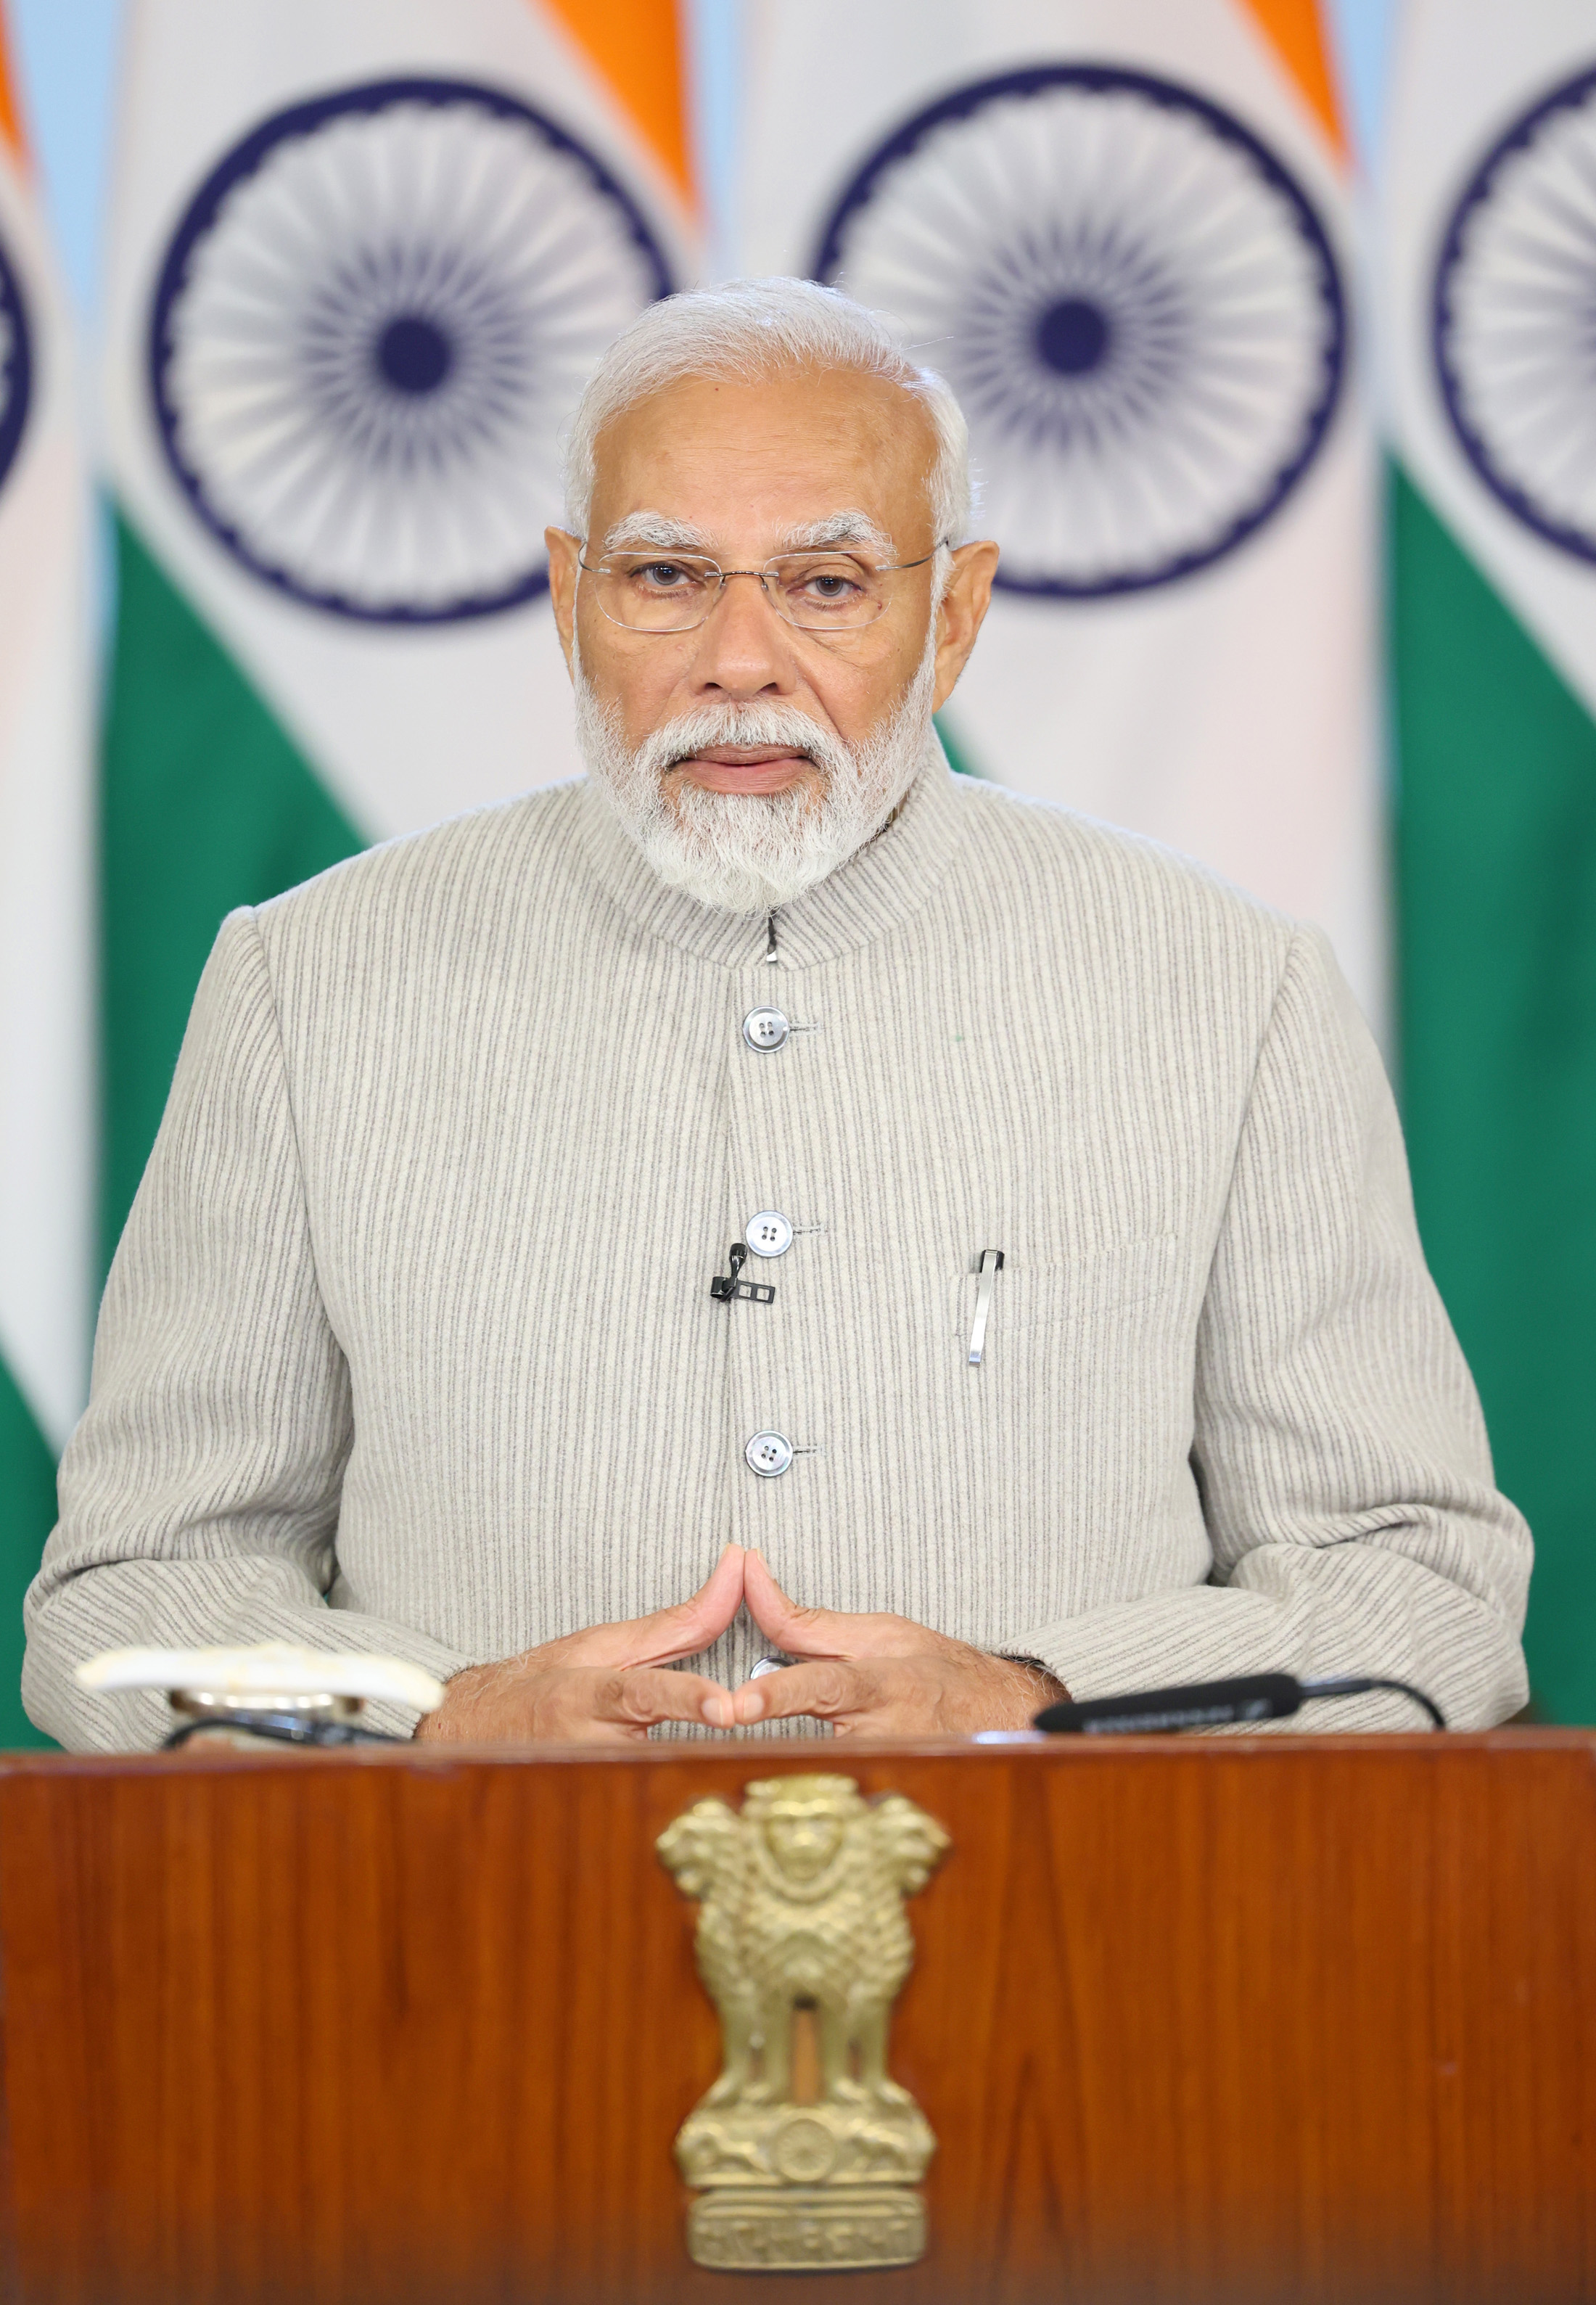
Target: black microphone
[1211,1704]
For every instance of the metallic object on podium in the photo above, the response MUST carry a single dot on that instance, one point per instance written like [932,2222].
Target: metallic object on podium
[273,1694]
[801,1908]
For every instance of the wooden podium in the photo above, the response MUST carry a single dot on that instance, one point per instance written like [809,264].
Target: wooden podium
[1206,2022]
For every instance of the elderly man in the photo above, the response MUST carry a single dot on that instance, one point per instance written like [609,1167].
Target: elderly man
[1075,1332]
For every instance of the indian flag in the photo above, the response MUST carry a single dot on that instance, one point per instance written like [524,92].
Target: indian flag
[1121,229]
[1491,313]
[365,252]
[46,900]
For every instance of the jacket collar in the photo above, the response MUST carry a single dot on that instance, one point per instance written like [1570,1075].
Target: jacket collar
[888,880]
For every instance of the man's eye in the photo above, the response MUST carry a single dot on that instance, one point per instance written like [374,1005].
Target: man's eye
[662,575]
[829,586]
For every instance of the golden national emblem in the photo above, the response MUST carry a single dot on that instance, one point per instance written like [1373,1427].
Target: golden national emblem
[801,1922]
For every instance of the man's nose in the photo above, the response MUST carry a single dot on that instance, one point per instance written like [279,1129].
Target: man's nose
[744,648]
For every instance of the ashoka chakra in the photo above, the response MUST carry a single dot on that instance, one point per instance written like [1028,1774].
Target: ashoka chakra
[1136,304]
[1516,318]
[16,366]
[370,325]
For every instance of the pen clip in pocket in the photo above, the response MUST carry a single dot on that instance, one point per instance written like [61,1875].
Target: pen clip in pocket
[991,1265]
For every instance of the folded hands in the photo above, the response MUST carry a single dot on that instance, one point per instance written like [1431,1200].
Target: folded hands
[872,1675]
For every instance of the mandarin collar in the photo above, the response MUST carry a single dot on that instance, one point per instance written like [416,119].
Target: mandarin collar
[882,885]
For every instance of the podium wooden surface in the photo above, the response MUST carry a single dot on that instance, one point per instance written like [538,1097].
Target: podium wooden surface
[1206,2022]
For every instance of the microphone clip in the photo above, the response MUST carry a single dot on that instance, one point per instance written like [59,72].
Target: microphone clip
[727,1287]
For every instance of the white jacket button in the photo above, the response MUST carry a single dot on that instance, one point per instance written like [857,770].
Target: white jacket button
[765,1029]
[769,1234]
[769,1454]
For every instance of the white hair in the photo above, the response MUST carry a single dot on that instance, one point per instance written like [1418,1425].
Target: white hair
[747,329]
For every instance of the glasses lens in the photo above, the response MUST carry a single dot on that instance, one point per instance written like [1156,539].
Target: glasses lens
[823,592]
[656,592]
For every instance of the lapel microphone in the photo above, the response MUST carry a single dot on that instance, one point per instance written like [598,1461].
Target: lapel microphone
[1212,1705]
[726,1288]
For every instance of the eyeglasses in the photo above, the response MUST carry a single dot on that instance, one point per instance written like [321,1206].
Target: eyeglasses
[674,592]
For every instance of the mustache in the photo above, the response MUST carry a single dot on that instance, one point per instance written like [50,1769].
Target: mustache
[666,747]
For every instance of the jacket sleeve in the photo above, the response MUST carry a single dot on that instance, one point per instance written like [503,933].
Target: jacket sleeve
[1338,1446]
[199,1494]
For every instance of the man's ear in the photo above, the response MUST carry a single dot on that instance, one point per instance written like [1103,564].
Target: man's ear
[959,618]
[565,558]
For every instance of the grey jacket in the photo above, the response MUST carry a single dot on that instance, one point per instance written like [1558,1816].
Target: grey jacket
[409,1345]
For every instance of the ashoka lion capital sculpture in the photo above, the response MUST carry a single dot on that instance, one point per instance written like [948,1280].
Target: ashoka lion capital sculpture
[802,1906]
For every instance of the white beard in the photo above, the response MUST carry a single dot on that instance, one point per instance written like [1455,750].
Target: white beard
[755,852]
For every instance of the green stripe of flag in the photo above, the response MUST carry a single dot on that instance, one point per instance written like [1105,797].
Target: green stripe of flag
[958,758]
[1496,858]
[207,804]
[27,1515]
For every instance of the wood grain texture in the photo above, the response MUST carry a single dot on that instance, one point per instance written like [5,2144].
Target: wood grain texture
[1193,2022]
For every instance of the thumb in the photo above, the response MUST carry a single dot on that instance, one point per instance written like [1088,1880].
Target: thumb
[691,1625]
[801,1632]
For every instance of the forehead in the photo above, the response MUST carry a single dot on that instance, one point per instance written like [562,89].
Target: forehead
[756,458]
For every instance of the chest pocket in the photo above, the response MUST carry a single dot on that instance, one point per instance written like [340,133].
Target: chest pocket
[1027,1297]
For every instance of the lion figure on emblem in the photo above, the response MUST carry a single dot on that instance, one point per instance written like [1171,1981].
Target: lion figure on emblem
[801,1899]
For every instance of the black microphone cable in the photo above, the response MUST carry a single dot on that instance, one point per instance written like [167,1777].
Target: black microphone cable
[1359,1684]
